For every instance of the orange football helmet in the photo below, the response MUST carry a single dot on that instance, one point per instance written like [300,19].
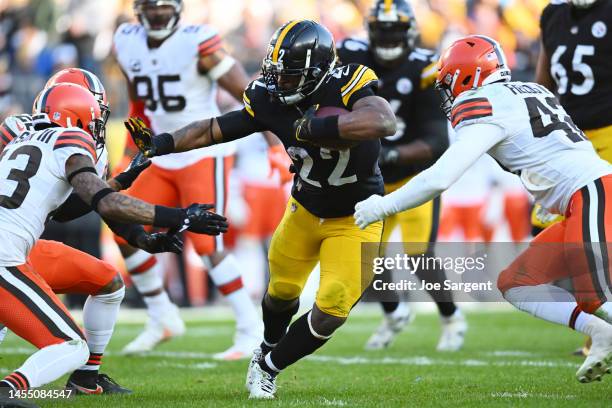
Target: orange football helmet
[69,105]
[87,80]
[469,63]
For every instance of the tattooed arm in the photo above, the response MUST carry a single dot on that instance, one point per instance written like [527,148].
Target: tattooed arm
[114,206]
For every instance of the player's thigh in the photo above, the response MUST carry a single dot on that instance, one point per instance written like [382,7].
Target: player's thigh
[31,310]
[347,255]
[542,262]
[587,250]
[602,142]
[205,182]
[155,186]
[266,209]
[294,251]
[68,270]
[419,226]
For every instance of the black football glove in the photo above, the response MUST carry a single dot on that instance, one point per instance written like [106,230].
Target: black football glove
[388,155]
[141,135]
[201,221]
[138,164]
[160,242]
[301,126]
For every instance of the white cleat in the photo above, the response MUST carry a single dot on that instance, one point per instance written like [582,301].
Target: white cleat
[599,361]
[245,341]
[392,325]
[263,385]
[157,331]
[453,332]
[257,355]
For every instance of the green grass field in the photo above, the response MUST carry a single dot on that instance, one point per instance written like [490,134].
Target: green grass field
[510,359]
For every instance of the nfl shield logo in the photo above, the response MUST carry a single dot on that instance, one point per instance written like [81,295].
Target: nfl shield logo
[56,115]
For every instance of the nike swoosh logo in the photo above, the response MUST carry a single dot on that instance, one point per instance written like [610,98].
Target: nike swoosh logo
[98,390]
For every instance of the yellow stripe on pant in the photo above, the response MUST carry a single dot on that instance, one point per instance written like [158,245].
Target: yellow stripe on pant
[417,225]
[303,239]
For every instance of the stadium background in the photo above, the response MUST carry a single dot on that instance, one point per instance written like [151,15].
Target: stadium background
[39,37]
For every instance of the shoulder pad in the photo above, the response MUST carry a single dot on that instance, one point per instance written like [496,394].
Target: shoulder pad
[471,105]
[254,90]
[14,126]
[353,77]
[75,138]
[127,29]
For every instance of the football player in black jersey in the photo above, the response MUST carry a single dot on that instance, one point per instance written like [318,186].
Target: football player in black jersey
[299,74]
[575,63]
[406,75]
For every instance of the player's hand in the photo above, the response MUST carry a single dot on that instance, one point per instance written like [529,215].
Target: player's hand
[201,221]
[138,164]
[388,155]
[369,211]
[301,126]
[160,242]
[280,162]
[141,135]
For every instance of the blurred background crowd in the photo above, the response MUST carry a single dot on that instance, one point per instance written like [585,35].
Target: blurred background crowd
[39,37]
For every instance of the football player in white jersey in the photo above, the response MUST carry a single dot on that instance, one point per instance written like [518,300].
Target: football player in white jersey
[523,126]
[39,170]
[67,270]
[173,72]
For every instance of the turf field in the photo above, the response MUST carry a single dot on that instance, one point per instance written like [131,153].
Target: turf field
[510,359]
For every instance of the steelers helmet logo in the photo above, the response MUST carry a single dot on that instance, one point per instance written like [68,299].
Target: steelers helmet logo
[599,29]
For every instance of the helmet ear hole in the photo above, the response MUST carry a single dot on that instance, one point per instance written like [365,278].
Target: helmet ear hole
[466,80]
[80,124]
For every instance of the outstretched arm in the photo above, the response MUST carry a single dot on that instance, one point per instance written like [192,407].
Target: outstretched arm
[473,141]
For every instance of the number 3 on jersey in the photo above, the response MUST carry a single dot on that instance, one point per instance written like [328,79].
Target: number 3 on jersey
[156,93]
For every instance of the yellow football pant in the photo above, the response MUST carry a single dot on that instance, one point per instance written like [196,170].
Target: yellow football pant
[417,225]
[303,239]
[602,142]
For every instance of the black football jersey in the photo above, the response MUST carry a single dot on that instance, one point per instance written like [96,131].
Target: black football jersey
[409,90]
[579,46]
[328,183]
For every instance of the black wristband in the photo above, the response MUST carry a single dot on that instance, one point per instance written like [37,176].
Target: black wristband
[324,128]
[95,200]
[164,144]
[167,217]
[81,170]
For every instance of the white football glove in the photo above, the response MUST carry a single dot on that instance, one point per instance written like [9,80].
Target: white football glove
[369,211]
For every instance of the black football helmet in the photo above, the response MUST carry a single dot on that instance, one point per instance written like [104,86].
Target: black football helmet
[392,30]
[301,54]
[159,17]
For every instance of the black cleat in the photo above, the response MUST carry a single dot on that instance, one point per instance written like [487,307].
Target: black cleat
[110,386]
[83,382]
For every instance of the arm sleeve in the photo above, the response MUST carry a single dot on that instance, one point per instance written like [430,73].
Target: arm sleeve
[473,141]
[237,124]
[129,232]
[73,208]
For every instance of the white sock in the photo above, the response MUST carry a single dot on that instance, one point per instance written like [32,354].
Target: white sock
[226,276]
[547,302]
[157,305]
[146,274]
[99,317]
[51,362]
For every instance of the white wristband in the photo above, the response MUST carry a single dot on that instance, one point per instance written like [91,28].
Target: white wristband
[221,68]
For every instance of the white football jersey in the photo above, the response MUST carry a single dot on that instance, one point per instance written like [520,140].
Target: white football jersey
[33,183]
[167,78]
[541,143]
